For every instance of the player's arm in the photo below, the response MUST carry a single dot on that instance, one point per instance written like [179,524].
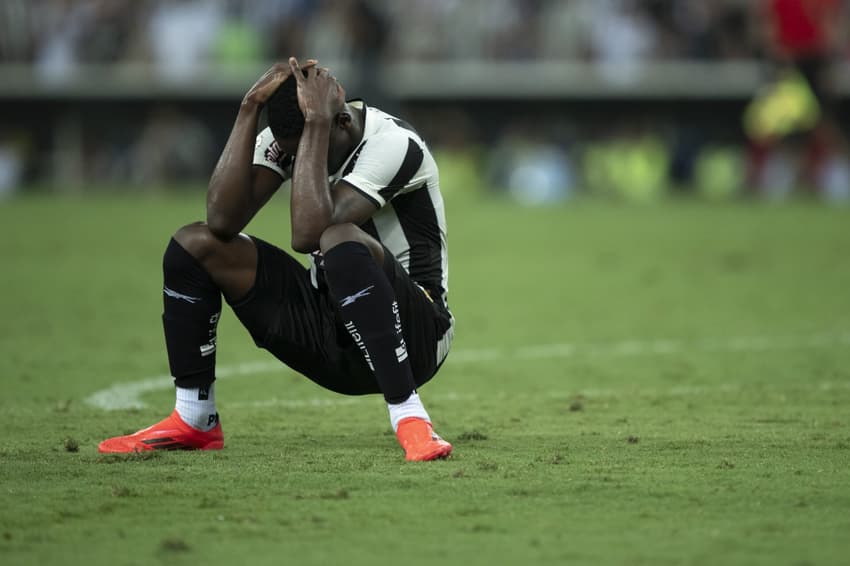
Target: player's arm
[237,188]
[314,207]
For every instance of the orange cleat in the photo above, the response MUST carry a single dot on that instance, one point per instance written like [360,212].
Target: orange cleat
[168,434]
[420,442]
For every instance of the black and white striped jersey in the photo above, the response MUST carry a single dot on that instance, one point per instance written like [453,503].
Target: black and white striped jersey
[393,168]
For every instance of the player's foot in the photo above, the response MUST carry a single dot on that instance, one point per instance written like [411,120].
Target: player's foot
[168,434]
[420,442]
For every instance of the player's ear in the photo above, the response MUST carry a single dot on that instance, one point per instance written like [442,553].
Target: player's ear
[343,120]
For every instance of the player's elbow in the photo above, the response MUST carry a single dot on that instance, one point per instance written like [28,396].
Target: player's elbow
[304,243]
[305,238]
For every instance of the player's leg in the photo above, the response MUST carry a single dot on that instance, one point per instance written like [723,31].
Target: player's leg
[197,269]
[354,266]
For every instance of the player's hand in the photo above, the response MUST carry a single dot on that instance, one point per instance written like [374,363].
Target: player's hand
[320,96]
[266,85]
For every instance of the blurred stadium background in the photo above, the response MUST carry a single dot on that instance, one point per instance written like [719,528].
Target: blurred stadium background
[540,100]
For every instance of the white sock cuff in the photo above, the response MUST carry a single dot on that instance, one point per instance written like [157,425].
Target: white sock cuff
[195,412]
[412,407]
[190,395]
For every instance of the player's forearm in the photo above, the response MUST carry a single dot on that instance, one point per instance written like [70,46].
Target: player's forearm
[311,206]
[230,202]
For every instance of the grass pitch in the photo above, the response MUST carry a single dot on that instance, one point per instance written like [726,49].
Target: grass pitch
[661,385]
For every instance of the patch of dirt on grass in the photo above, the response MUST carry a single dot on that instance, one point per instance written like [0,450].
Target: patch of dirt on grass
[173,544]
[129,457]
[121,491]
[472,435]
[338,494]
[577,403]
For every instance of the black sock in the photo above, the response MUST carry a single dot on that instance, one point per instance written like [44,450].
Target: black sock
[192,307]
[369,310]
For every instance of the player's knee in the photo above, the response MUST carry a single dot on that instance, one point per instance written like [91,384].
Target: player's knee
[338,234]
[198,240]
[222,226]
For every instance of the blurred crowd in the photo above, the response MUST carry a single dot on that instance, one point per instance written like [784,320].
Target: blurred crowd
[180,34]
[176,38]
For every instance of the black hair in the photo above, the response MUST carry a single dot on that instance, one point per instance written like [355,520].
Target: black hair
[285,117]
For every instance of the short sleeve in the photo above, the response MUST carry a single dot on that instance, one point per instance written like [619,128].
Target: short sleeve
[268,154]
[386,165]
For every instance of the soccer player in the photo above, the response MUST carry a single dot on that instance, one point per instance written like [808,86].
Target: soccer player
[368,316]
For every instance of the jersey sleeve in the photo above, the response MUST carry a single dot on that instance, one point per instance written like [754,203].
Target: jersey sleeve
[386,165]
[268,154]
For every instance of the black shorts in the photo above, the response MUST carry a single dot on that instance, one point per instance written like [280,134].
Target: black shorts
[300,324]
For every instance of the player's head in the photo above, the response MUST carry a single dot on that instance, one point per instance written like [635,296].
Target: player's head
[285,118]
[287,124]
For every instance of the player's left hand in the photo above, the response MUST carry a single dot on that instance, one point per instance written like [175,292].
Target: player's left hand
[320,96]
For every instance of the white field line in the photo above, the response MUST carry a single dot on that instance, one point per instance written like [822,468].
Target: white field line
[336,401]
[128,395]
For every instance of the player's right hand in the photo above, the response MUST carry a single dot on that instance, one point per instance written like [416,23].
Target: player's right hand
[267,84]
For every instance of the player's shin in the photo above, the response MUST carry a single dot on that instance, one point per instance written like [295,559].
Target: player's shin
[191,309]
[369,310]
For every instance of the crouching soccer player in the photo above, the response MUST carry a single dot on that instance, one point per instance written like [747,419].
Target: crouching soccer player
[370,313]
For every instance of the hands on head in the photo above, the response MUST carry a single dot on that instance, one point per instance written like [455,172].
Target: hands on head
[269,82]
[320,96]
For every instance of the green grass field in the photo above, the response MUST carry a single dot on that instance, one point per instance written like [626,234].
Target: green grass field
[658,385]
